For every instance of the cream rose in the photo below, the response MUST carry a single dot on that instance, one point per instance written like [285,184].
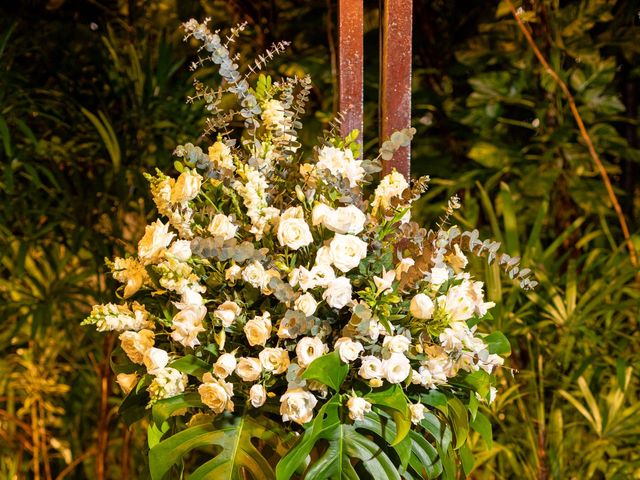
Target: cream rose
[249,369]
[358,406]
[154,242]
[306,304]
[275,360]
[421,307]
[216,394]
[255,274]
[371,367]
[293,231]
[136,344]
[257,395]
[127,381]
[233,273]
[155,359]
[258,330]
[338,293]
[348,349]
[227,313]
[346,251]
[396,343]
[308,349]
[187,324]
[225,365]
[396,368]
[222,226]
[186,187]
[296,405]
[349,219]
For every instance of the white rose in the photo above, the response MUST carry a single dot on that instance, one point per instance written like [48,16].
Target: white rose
[258,330]
[322,275]
[293,231]
[348,349]
[396,368]
[296,405]
[255,274]
[338,293]
[358,406]
[127,381]
[421,307]
[417,413]
[186,187]
[346,251]
[225,365]
[136,344]
[257,395]
[222,226]
[216,394]
[308,349]
[303,277]
[249,369]
[181,250]
[371,367]
[341,164]
[396,343]
[439,275]
[275,360]
[155,359]
[154,242]
[306,304]
[227,313]
[348,219]
[187,324]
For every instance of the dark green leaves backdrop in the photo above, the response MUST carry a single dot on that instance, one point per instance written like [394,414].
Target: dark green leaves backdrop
[92,94]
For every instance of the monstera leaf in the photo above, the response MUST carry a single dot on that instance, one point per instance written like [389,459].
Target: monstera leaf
[344,443]
[237,457]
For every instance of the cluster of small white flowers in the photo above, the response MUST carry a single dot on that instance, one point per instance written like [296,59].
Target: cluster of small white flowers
[111,317]
[341,164]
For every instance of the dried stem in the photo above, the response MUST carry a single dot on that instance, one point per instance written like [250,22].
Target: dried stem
[583,132]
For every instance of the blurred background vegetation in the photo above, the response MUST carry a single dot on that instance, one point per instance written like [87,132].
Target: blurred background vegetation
[92,94]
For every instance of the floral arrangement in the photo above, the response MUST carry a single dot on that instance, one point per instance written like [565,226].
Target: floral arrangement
[284,299]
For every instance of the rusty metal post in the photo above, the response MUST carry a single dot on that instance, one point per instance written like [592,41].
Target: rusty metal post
[350,64]
[395,76]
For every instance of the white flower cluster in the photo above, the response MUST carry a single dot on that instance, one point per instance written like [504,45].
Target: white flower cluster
[264,268]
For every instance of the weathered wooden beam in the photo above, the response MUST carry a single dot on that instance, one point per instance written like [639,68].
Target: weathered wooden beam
[350,64]
[395,76]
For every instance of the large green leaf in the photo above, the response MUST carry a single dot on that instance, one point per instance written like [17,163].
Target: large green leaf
[237,458]
[344,443]
[395,401]
[327,369]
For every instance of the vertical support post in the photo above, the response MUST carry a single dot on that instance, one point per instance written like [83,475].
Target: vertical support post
[395,77]
[350,64]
